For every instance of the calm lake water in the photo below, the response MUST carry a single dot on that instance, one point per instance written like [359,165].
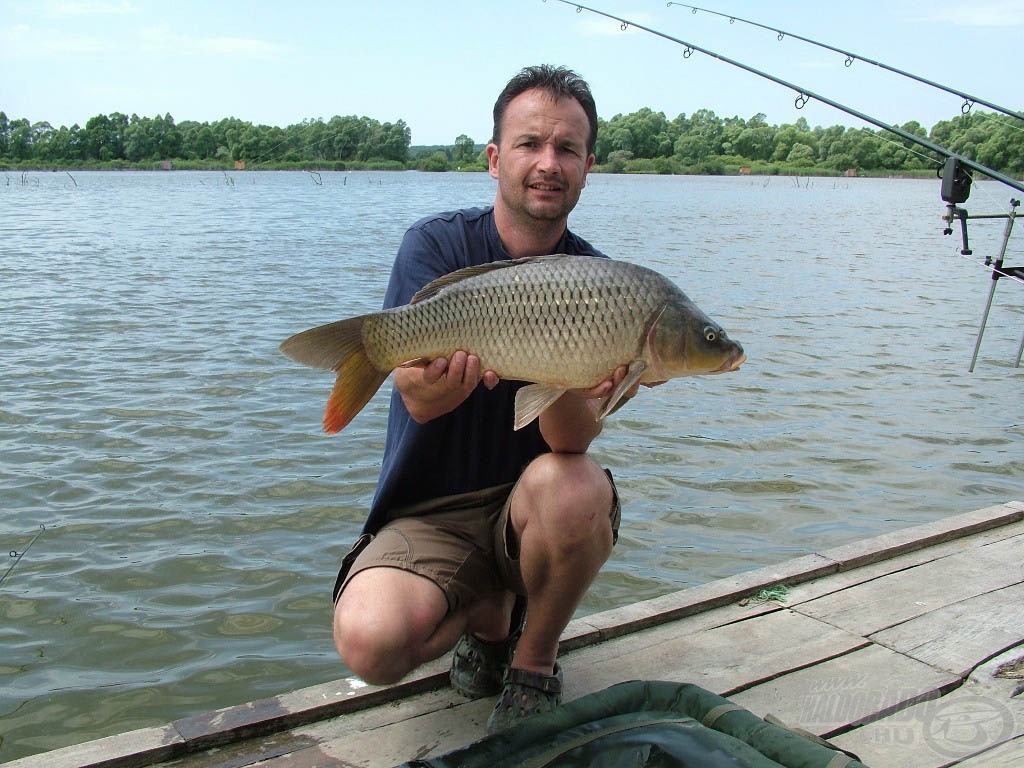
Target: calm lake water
[195,514]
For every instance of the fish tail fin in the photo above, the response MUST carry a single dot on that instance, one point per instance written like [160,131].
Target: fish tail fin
[339,347]
[357,382]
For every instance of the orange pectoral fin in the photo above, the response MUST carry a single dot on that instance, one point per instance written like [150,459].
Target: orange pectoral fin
[357,382]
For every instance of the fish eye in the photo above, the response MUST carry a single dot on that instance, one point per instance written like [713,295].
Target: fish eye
[710,334]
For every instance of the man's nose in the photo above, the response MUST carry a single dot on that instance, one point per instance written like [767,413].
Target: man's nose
[548,160]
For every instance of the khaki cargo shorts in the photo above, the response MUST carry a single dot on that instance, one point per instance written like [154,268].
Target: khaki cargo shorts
[462,543]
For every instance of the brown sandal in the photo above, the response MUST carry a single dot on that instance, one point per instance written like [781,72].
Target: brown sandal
[525,693]
[479,667]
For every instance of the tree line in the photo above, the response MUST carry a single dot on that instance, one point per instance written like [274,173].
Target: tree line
[116,139]
[704,142]
[644,141]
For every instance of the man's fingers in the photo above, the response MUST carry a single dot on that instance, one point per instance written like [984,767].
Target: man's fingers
[456,374]
[471,373]
[491,379]
[433,372]
[462,371]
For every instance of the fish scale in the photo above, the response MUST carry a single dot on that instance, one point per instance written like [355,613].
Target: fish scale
[529,328]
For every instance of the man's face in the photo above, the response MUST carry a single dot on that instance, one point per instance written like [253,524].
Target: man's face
[541,161]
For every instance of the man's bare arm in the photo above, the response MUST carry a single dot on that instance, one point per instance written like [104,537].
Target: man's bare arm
[570,424]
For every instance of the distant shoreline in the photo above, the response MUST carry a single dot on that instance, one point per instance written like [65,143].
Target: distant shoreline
[755,170]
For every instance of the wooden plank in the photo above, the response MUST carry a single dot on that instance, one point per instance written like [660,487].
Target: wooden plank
[417,706]
[678,605]
[942,732]
[241,754]
[1007,755]
[957,637]
[431,734]
[723,659]
[801,593]
[812,568]
[303,706]
[867,684]
[382,715]
[888,545]
[718,659]
[898,597]
[310,757]
[445,698]
[144,746]
[280,748]
[1002,674]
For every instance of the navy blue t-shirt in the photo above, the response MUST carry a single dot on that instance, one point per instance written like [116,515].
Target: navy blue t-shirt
[474,446]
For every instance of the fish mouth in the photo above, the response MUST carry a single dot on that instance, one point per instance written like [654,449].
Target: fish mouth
[731,364]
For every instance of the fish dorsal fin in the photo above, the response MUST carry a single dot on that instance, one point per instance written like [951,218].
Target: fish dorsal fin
[436,286]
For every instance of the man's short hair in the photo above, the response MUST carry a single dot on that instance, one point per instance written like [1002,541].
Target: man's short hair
[560,83]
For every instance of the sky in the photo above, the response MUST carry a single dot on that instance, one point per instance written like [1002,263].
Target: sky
[439,64]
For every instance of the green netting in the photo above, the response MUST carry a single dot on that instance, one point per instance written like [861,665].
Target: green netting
[646,724]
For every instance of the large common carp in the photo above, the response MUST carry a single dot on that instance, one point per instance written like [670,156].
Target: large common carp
[564,322]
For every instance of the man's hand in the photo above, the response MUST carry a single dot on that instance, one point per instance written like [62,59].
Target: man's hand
[607,386]
[440,386]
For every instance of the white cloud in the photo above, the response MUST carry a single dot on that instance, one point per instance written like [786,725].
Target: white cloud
[23,41]
[240,47]
[162,40]
[69,8]
[981,13]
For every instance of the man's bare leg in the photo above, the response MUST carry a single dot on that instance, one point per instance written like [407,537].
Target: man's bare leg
[388,621]
[560,514]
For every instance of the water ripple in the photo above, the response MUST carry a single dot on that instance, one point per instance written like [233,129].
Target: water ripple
[195,515]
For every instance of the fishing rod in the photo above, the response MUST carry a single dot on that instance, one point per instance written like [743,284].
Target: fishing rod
[969,100]
[18,555]
[956,180]
[804,95]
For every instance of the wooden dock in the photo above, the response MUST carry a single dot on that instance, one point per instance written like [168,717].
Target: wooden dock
[906,649]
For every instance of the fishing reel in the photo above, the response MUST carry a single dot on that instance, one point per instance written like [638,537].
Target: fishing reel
[956,188]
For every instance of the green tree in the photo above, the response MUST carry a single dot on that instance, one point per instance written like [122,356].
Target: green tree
[464,149]
[62,145]
[394,141]
[20,139]
[349,134]
[788,136]
[438,161]
[139,141]
[5,134]
[756,142]
[105,136]
[691,149]
[801,154]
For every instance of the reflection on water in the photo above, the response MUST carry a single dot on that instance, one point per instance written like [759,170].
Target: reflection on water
[195,514]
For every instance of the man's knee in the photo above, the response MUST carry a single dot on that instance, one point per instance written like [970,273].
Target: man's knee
[371,651]
[574,480]
[570,493]
[379,626]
